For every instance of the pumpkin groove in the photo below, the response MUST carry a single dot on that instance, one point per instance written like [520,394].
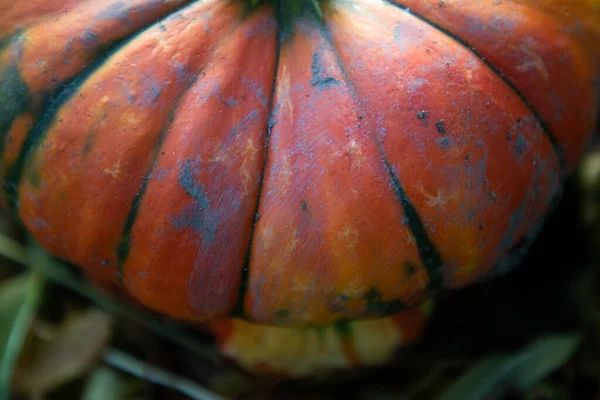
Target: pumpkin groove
[238,310]
[123,247]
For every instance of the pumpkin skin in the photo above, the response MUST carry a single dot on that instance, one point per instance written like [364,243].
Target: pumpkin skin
[222,158]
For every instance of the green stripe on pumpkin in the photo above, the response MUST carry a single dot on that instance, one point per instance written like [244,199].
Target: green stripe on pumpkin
[14,100]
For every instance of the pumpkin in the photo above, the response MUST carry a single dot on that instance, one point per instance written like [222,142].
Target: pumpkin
[292,162]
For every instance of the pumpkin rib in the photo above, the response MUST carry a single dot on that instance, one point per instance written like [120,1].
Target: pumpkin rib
[238,309]
[40,128]
[53,102]
[544,125]
[428,252]
[99,173]
[123,247]
[197,210]
[18,17]
[34,99]
[326,193]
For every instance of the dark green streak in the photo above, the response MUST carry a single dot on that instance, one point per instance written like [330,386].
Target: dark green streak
[429,254]
[14,99]
[290,12]
[35,137]
[343,328]
[6,41]
[375,304]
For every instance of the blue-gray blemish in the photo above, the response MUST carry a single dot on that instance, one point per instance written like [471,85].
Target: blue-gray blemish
[399,38]
[159,174]
[88,38]
[520,145]
[557,105]
[68,46]
[183,71]
[576,27]
[258,92]
[143,274]
[474,25]
[444,142]
[468,165]
[489,194]
[115,11]
[129,94]
[272,120]
[38,223]
[122,11]
[416,83]
[304,205]
[216,91]
[240,127]
[501,26]
[380,127]
[517,140]
[153,88]
[318,78]
[471,214]
[403,41]
[195,216]
[399,32]
[261,29]
[439,125]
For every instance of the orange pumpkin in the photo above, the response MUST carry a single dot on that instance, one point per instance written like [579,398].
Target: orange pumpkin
[292,162]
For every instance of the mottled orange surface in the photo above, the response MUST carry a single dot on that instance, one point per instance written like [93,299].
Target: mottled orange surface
[540,46]
[219,159]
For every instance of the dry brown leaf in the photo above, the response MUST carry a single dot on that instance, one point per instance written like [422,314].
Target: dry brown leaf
[69,353]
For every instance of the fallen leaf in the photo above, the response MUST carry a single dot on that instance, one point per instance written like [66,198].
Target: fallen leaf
[73,351]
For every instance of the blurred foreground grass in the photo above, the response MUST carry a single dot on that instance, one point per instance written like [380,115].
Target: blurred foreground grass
[532,334]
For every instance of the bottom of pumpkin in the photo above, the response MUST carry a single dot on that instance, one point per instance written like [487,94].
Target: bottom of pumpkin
[309,351]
